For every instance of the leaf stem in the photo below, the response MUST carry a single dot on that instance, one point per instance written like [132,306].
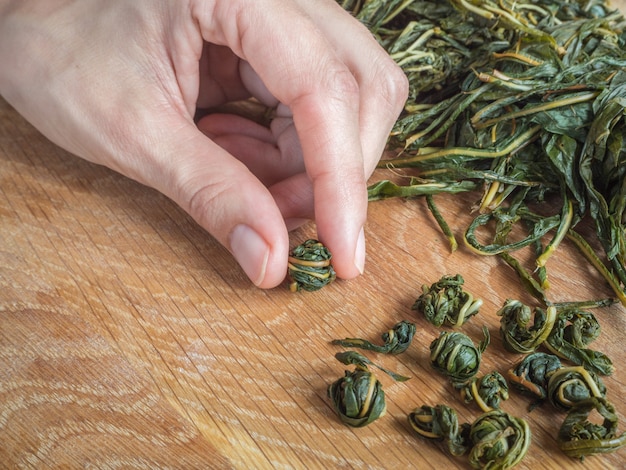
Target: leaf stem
[520,141]
[588,252]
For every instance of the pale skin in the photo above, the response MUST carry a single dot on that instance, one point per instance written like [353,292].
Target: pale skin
[118,82]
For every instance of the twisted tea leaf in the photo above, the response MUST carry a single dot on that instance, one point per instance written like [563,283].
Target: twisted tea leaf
[309,266]
[499,440]
[579,437]
[455,355]
[570,385]
[505,219]
[396,340]
[353,357]
[531,375]
[518,334]
[583,328]
[358,398]
[445,302]
[488,391]
[573,330]
[440,422]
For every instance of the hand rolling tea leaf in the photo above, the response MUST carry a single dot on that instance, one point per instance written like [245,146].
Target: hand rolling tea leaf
[570,385]
[573,331]
[522,102]
[518,334]
[358,397]
[495,440]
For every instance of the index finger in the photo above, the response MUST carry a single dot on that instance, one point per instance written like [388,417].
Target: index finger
[302,69]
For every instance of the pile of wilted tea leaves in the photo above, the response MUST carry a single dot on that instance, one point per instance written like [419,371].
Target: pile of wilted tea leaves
[522,100]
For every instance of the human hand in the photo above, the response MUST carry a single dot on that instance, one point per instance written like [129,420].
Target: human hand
[118,83]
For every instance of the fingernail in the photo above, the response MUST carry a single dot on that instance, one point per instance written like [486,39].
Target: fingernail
[359,253]
[251,252]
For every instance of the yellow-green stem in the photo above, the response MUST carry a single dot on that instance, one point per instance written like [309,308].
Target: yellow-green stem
[588,253]
[537,109]
[522,140]
[560,235]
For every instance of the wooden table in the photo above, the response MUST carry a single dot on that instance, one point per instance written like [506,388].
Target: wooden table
[130,338]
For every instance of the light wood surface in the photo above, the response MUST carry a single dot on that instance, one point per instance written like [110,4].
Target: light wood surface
[130,339]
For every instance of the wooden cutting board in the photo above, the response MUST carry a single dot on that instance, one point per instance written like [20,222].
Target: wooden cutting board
[130,338]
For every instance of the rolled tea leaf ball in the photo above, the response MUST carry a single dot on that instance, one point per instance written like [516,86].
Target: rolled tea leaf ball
[441,423]
[488,391]
[358,398]
[455,355]
[531,375]
[445,302]
[309,267]
[399,338]
[518,333]
[580,436]
[570,385]
[498,440]
[582,327]
[573,331]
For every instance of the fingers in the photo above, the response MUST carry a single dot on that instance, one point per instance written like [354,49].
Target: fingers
[383,86]
[219,77]
[270,155]
[225,198]
[306,55]
[255,86]
[306,68]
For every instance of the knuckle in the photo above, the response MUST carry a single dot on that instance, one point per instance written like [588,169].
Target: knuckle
[394,86]
[344,84]
[400,86]
[205,200]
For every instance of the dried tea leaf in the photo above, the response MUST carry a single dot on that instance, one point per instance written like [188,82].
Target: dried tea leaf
[309,266]
[358,398]
[531,375]
[518,333]
[525,99]
[570,385]
[499,440]
[580,436]
[353,357]
[396,340]
[441,423]
[446,303]
[455,355]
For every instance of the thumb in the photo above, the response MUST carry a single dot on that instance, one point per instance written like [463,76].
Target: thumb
[227,200]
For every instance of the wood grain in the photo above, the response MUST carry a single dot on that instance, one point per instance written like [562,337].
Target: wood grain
[70,400]
[130,339]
